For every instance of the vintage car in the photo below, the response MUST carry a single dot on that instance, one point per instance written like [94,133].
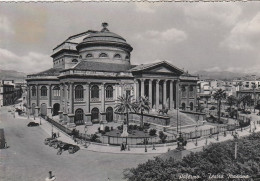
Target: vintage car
[72,149]
[31,124]
[47,140]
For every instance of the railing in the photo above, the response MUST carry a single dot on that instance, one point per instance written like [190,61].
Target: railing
[56,124]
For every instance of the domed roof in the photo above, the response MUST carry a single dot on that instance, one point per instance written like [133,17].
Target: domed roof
[104,37]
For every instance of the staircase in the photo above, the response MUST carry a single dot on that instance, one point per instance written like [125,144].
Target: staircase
[183,119]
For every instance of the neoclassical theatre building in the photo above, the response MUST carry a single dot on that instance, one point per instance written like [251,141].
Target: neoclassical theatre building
[92,69]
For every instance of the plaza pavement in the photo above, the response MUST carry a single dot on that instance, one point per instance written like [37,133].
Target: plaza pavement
[159,149]
[28,159]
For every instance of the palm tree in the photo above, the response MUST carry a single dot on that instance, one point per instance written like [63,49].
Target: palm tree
[124,105]
[231,100]
[142,105]
[219,95]
[254,87]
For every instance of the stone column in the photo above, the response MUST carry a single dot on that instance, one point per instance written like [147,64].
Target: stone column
[157,94]
[103,112]
[137,89]
[121,89]
[151,91]
[177,94]
[171,94]
[29,97]
[71,98]
[71,112]
[164,93]
[142,87]
[103,97]
[87,97]
[49,108]
[87,117]
[37,95]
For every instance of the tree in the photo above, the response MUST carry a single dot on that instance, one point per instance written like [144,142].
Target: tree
[219,95]
[246,99]
[231,100]
[258,107]
[124,105]
[254,87]
[142,105]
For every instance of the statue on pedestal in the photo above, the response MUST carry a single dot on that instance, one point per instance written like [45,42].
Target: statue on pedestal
[181,143]
[125,133]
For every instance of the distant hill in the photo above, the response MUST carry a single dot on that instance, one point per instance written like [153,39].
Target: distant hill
[222,75]
[12,74]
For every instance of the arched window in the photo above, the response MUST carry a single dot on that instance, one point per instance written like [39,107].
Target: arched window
[56,91]
[191,88]
[94,92]
[33,91]
[191,106]
[183,88]
[89,55]
[94,114]
[79,117]
[43,91]
[103,55]
[183,106]
[109,92]
[79,93]
[127,57]
[109,114]
[118,56]
[74,60]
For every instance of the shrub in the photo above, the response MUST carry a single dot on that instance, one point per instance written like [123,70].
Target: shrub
[120,127]
[152,132]
[107,129]
[140,129]
[162,136]
[135,127]
[130,127]
[93,137]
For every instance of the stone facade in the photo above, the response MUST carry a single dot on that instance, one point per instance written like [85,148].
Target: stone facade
[92,69]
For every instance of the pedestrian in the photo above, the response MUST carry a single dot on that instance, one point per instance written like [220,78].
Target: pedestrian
[58,134]
[54,135]
[122,147]
[6,145]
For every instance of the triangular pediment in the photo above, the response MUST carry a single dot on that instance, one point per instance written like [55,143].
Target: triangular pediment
[159,67]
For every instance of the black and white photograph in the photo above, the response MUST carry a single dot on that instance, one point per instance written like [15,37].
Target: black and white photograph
[129,91]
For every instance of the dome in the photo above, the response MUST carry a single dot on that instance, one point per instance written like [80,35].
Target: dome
[104,38]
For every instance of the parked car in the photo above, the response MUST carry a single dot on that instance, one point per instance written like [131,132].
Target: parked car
[47,140]
[72,149]
[57,144]
[52,142]
[65,146]
[32,124]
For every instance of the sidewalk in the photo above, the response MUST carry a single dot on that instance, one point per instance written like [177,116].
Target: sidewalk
[105,148]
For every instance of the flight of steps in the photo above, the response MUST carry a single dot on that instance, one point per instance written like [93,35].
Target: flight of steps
[183,119]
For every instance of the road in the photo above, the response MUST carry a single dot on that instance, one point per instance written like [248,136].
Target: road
[28,159]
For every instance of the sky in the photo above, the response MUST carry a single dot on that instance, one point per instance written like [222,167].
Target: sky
[192,36]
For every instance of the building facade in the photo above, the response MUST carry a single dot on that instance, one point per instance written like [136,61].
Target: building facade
[7,93]
[92,69]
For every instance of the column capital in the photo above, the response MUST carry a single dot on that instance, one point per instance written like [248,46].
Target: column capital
[142,80]
[150,80]
[157,81]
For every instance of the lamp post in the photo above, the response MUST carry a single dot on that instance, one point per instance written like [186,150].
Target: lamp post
[217,133]
[196,131]
[85,130]
[236,140]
